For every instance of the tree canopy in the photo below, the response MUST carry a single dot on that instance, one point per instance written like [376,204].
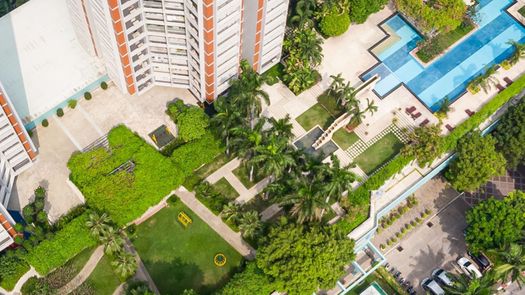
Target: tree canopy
[301,260]
[510,135]
[438,15]
[425,144]
[191,121]
[477,161]
[492,223]
[250,281]
[361,9]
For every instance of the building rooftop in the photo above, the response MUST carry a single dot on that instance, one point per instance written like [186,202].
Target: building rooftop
[41,62]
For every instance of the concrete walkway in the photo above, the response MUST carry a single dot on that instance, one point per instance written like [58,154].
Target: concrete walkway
[84,273]
[18,287]
[142,273]
[216,223]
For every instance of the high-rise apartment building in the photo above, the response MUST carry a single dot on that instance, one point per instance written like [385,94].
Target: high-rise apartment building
[193,44]
[17,153]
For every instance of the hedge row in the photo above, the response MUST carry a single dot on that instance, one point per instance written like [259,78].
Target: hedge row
[361,195]
[194,154]
[61,247]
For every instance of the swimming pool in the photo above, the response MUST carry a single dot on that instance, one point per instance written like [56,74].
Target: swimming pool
[449,75]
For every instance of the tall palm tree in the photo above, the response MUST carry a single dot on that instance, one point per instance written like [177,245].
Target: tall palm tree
[338,82]
[112,240]
[371,107]
[282,127]
[98,223]
[308,202]
[231,211]
[273,158]
[125,264]
[227,118]
[246,92]
[247,142]
[304,12]
[309,47]
[463,285]
[513,267]
[250,224]
[518,54]
[341,180]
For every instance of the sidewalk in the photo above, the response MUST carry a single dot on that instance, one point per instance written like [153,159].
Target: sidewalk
[216,223]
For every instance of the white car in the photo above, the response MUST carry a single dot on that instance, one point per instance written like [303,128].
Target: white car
[441,276]
[469,268]
[432,287]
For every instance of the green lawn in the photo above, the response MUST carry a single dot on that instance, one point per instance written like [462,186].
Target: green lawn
[344,139]
[522,11]
[243,174]
[179,258]
[103,280]
[225,188]
[330,104]
[379,153]
[205,170]
[9,281]
[316,115]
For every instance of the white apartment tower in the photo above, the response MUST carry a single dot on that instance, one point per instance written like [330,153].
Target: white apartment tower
[193,44]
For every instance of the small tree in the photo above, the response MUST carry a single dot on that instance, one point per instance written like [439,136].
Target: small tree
[192,123]
[334,24]
[510,135]
[104,85]
[250,224]
[87,95]
[60,112]
[425,144]
[72,104]
[477,161]
[125,264]
[45,123]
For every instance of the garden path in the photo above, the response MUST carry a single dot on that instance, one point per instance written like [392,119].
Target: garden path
[216,223]
[84,273]
[142,273]
[18,287]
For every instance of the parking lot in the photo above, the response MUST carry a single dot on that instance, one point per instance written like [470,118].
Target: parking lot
[438,243]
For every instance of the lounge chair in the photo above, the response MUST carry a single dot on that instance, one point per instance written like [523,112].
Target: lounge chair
[500,88]
[450,128]
[508,81]
[469,112]
[425,122]
[410,110]
[416,115]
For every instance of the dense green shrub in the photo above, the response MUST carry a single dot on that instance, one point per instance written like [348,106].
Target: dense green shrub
[194,154]
[127,194]
[103,85]
[191,121]
[62,246]
[431,48]
[250,281]
[60,112]
[72,104]
[334,24]
[441,15]
[11,270]
[87,95]
[361,9]
[274,74]
[45,123]
[510,135]
[36,286]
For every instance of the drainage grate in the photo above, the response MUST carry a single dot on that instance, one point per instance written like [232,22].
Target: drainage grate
[400,249]
[430,224]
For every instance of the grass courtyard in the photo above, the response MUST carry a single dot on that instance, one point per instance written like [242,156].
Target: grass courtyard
[179,258]
[323,113]
[103,280]
[345,139]
[379,153]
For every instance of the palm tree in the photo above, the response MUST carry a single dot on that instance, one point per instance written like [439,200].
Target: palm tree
[112,240]
[231,212]
[445,106]
[98,224]
[250,224]
[371,107]
[304,12]
[519,52]
[486,80]
[247,142]
[477,286]
[308,202]
[514,264]
[341,180]
[282,127]
[246,92]
[125,264]
[273,158]
[227,118]
[338,83]
[309,47]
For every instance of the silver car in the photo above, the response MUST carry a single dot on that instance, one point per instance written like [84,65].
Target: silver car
[432,286]
[442,277]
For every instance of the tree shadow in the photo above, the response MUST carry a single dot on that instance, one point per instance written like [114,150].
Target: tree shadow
[175,276]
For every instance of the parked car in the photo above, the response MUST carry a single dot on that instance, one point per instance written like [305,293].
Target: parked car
[470,269]
[442,277]
[432,287]
[481,260]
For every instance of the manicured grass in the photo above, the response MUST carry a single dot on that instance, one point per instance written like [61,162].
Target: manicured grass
[103,280]
[179,258]
[345,139]
[379,153]
[522,11]
[243,174]
[430,49]
[316,115]
[205,170]
[330,104]
[78,262]
[225,188]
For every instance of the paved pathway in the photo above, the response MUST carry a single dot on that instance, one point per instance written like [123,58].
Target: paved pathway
[84,273]
[18,287]
[215,222]
[142,273]
[224,170]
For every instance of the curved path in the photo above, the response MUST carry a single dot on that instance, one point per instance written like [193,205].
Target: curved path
[84,273]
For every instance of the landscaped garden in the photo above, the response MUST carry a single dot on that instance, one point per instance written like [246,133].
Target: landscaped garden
[103,279]
[243,174]
[379,153]
[345,139]
[179,257]
[316,115]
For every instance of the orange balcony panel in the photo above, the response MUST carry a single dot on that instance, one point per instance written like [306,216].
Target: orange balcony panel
[208,24]
[207,11]
[112,3]
[125,61]
[259,27]
[127,70]
[260,15]
[131,89]
[209,59]
[27,146]
[120,38]
[208,36]
[256,66]
[118,27]
[32,154]
[7,110]
[115,15]
[129,80]
[18,130]
[208,47]
[257,47]
[209,88]
[2,99]
[261,3]
[122,49]
[12,119]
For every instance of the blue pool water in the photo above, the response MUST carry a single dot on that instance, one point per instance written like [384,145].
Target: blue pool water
[449,75]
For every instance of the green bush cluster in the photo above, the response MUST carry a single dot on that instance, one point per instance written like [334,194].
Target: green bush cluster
[72,104]
[387,221]
[191,121]
[87,95]
[126,194]
[62,246]
[11,269]
[406,229]
[45,123]
[104,85]
[194,154]
[60,112]
[361,195]
[431,48]
[334,24]
[210,197]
